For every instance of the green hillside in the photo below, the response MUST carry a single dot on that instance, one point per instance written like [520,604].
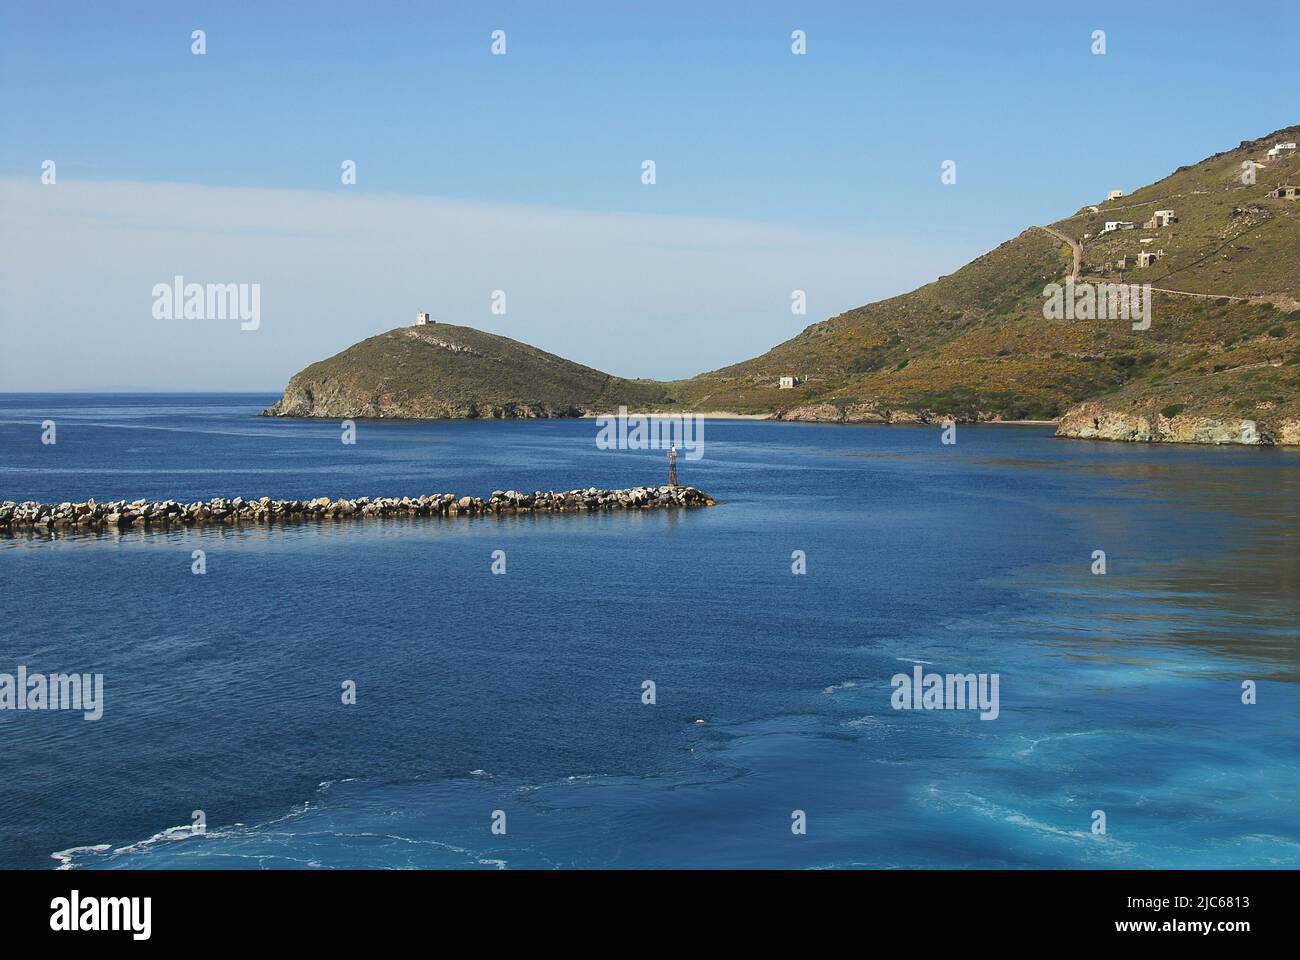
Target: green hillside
[976,345]
[1223,342]
[446,371]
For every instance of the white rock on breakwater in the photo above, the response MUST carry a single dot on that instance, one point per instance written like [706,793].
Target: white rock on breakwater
[166,513]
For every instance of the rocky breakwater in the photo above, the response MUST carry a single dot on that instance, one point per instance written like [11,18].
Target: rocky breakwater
[159,514]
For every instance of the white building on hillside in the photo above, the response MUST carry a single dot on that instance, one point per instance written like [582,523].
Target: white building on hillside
[423,318]
[1114,194]
[789,383]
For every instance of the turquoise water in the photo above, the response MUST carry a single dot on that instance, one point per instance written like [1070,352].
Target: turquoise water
[522,693]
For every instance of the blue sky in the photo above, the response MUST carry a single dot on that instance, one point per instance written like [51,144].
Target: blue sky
[844,143]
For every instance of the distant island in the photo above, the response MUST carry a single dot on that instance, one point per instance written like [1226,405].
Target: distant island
[1216,361]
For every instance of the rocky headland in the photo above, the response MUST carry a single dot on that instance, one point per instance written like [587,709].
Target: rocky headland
[440,371]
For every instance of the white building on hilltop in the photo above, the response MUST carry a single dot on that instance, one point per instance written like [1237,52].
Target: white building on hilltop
[423,318]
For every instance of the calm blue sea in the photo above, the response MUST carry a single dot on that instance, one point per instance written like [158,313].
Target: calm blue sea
[522,693]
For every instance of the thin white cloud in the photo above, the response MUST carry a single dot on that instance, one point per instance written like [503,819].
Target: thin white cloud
[632,294]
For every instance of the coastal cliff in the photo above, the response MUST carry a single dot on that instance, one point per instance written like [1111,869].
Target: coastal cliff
[1095,421]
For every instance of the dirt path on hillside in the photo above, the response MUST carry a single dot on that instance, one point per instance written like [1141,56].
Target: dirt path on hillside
[1280,300]
[1075,245]
[1133,206]
[1277,299]
[1201,296]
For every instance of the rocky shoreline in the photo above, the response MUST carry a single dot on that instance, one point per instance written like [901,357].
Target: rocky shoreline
[158,514]
[853,413]
[1094,421]
[1085,421]
[313,402]
[871,413]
